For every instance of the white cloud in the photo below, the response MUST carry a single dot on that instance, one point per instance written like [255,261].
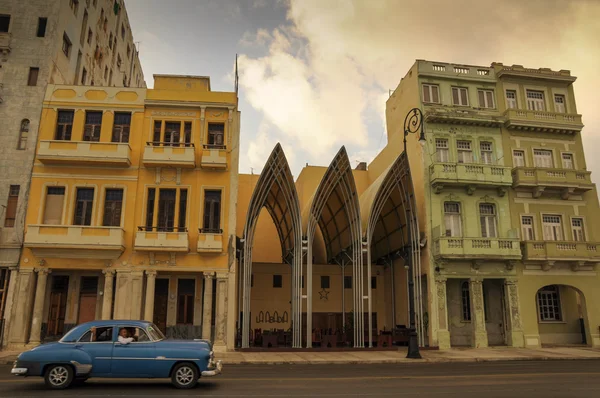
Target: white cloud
[326,75]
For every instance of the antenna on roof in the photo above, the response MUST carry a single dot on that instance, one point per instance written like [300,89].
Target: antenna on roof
[236,75]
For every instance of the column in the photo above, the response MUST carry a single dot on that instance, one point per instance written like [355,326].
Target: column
[137,281]
[221,312]
[149,306]
[19,330]
[38,306]
[8,306]
[107,299]
[442,313]
[207,306]
[514,329]
[479,339]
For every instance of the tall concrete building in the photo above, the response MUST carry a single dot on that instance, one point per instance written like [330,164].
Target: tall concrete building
[77,42]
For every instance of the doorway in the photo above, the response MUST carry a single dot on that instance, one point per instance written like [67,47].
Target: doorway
[161,301]
[58,305]
[88,298]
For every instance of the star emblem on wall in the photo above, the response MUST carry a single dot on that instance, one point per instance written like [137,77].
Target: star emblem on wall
[323,294]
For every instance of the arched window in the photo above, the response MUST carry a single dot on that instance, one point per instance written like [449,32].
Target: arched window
[548,300]
[23,134]
[466,302]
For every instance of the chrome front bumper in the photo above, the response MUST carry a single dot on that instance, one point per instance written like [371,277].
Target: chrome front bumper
[18,371]
[213,372]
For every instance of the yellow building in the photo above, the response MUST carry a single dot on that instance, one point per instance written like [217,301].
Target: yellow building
[131,211]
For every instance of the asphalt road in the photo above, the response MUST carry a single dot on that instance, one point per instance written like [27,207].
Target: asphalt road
[531,379]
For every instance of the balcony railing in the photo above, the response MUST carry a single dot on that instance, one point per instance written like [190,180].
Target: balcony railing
[84,153]
[210,240]
[469,174]
[532,178]
[477,248]
[214,156]
[543,121]
[169,154]
[75,241]
[173,239]
[561,250]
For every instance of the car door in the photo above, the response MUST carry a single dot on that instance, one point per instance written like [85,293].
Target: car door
[99,348]
[135,359]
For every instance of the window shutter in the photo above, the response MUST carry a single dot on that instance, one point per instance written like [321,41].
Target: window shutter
[490,99]
[463,96]
[434,94]
[426,95]
[481,95]
[455,99]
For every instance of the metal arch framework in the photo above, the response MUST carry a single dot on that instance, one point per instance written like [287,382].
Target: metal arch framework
[393,192]
[275,190]
[335,209]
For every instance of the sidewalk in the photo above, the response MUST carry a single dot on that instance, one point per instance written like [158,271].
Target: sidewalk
[366,356]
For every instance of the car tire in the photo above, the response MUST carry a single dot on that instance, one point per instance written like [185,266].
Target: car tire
[185,375]
[58,377]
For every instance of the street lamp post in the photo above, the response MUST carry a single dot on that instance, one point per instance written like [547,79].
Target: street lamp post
[413,123]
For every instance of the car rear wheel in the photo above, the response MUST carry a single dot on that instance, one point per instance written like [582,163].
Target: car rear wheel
[58,377]
[185,375]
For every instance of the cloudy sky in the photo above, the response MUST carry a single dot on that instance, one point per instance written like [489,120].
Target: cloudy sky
[315,74]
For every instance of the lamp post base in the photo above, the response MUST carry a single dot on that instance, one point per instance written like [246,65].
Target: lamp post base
[413,346]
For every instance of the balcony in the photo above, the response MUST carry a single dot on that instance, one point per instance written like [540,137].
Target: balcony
[166,154]
[455,248]
[470,175]
[75,241]
[561,251]
[85,153]
[546,180]
[210,240]
[550,122]
[4,43]
[214,157]
[158,239]
[436,113]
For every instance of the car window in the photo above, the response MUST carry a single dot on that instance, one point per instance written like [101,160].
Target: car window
[155,333]
[139,335]
[102,334]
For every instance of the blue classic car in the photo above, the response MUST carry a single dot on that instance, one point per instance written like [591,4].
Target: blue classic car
[118,349]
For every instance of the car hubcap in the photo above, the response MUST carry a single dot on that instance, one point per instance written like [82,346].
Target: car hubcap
[184,375]
[58,375]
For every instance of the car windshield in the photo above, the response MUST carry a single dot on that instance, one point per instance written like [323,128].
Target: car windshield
[155,333]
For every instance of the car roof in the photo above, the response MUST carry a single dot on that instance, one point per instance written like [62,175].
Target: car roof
[109,322]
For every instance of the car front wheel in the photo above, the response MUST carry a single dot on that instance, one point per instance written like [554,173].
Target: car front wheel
[58,377]
[185,375]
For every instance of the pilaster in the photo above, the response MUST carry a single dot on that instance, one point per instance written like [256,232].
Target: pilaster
[442,313]
[20,323]
[480,339]
[107,298]
[207,306]
[38,306]
[514,329]
[150,284]
[221,312]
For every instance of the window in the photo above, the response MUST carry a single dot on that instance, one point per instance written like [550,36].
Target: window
[74,4]
[121,127]
[166,209]
[110,78]
[83,76]
[552,227]
[157,132]
[84,206]
[90,36]
[519,158]
[182,209]
[53,208]
[548,301]
[347,282]
[324,282]
[527,228]
[511,99]
[103,334]
[113,203]
[119,61]
[33,76]
[4,23]
[172,133]
[567,160]
[187,133]
[64,125]
[128,51]
[431,93]
[105,72]
[559,103]
[373,282]
[83,28]
[441,150]
[277,281]
[185,301]
[93,124]
[110,41]
[543,158]
[11,206]
[578,231]
[122,31]
[486,98]
[41,28]
[23,133]
[460,96]
[216,131]
[212,212]
[486,152]
[66,45]
[452,220]
[535,100]
[466,302]
[150,208]
[465,155]
[487,218]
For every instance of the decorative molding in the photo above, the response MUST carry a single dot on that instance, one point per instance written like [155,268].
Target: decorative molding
[170,113]
[151,273]
[209,275]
